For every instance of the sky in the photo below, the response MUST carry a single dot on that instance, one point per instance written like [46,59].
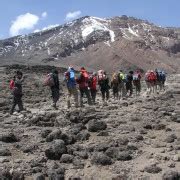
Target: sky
[26,16]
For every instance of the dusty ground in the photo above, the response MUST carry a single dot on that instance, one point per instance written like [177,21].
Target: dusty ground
[135,138]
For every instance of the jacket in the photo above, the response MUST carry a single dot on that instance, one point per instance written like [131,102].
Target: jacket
[93,83]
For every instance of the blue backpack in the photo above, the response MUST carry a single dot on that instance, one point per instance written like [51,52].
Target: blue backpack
[71,80]
[161,75]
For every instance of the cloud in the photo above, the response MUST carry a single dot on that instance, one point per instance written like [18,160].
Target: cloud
[23,22]
[46,28]
[44,15]
[72,15]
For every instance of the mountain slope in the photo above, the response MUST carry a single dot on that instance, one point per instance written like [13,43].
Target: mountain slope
[120,42]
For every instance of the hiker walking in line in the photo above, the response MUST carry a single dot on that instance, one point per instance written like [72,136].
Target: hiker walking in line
[137,82]
[129,85]
[55,88]
[103,82]
[161,78]
[16,88]
[52,80]
[71,86]
[93,86]
[151,80]
[122,81]
[115,85]
[83,81]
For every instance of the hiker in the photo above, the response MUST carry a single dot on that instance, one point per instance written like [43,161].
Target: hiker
[93,86]
[103,82]
[55,88]
[71,86]
[151,78]
[122,81]
[16,88]
[137,82]
[115,85]
[161,78]
[83,80]
[129,85]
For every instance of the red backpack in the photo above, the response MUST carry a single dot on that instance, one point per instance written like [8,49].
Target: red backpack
[152,76]
[11,85]
[86,76]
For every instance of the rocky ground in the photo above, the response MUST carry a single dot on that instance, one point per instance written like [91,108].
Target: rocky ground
[135,138]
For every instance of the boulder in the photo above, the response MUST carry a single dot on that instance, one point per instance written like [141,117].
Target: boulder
[101,159]
[56,150]
[171,175]
[8,138]
[96,125]
[153,169]
[66,158]
[124,156]
[5,152]
[82,136]
[39,176]
[56,134]
[45,133]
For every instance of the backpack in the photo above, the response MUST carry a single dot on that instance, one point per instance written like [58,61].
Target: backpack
[122,77]
[49,80]
[11,85]
[161,76]
[101,75]
[92,82]
[136,77]
[86,76]
[151,76]
[115,79]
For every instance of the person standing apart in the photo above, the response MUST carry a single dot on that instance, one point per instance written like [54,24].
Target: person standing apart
[16,88]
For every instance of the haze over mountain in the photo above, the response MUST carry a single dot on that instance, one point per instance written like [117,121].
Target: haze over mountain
[119,42]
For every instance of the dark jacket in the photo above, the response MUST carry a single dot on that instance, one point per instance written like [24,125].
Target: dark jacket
[104,84]
[56,81]
[129,79]
[17,91]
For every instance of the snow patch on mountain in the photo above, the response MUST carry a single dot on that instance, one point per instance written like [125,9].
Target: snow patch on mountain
[133,32]
[91,25]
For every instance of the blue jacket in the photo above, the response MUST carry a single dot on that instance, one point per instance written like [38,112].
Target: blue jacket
[70,78]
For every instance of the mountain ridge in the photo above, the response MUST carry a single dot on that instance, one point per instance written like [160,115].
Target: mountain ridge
[91,41]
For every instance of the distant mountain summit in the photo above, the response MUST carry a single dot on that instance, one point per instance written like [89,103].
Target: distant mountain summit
[112,44]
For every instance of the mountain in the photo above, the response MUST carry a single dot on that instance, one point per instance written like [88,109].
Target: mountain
[111,44]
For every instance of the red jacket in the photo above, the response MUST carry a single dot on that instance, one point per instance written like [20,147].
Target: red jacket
[83,79]
[93,83]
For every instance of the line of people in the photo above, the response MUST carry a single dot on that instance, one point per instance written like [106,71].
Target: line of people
[86,84]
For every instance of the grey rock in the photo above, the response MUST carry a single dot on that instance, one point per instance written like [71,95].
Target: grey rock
[45,133]
[5,152]
[101,159]
[82,136]
[170,138]
[8,138]
[124,156]
[56,134]
[39,176]
[171,175]
[153,169]
[96,125]
[66,158]
[56,150]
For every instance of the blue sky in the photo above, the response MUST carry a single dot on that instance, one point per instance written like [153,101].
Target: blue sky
[37,14]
